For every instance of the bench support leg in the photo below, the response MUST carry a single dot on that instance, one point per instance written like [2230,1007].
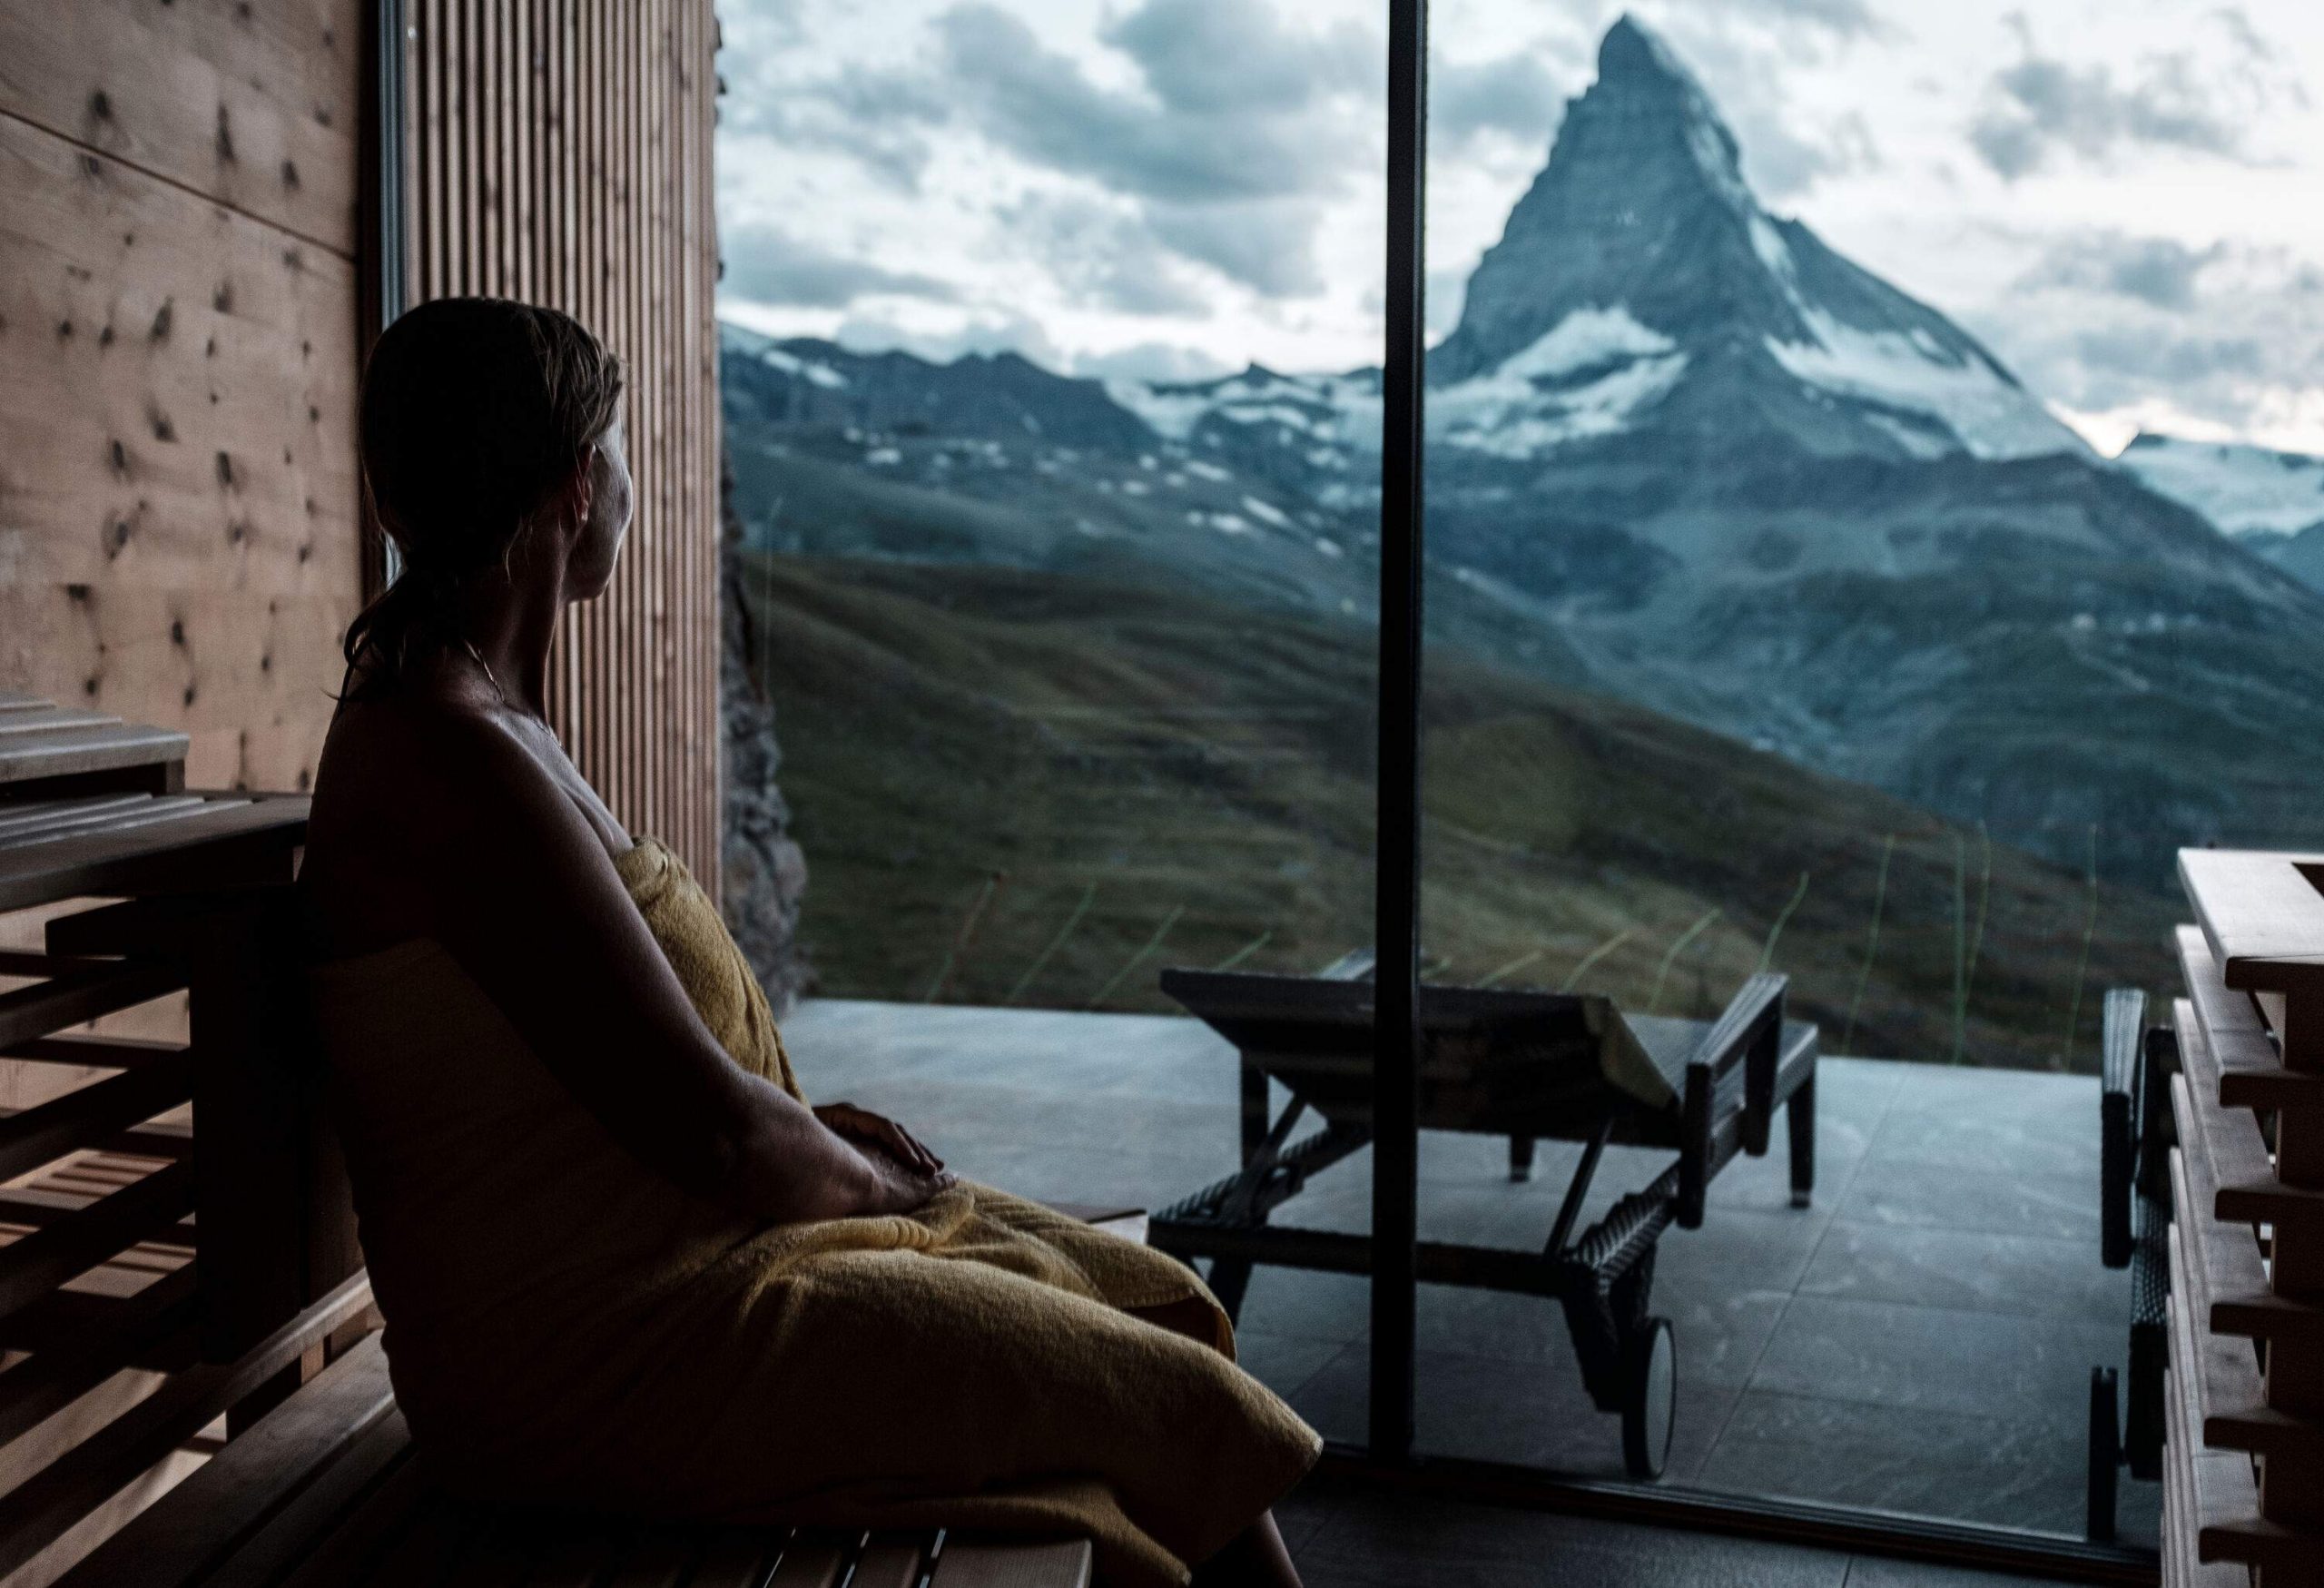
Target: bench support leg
[1799,1119]
[1520,1158]
[274,1391]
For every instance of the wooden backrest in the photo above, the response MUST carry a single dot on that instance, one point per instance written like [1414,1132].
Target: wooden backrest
[174,1237]
[271,1186]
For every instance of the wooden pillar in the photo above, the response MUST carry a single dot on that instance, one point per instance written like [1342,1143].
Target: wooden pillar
[560,154]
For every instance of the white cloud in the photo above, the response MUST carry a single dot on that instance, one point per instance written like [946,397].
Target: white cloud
[2119,196]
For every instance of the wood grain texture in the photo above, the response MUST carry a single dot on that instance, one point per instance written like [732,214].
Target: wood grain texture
[982,1564]
[562,155]
[253,105]
[241,1489]
[177,503]
[2263,915]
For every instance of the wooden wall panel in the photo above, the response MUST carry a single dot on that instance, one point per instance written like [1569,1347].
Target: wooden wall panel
[178,321]
[254,104]
[559,153]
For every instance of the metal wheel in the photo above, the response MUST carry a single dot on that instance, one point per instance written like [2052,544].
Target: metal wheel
[1649,1398]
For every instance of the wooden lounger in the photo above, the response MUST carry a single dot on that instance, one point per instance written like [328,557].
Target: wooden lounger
[1522,1065]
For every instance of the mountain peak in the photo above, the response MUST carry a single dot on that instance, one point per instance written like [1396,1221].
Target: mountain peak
[1633,57]
[1629,45]
[1642,213]
[1642,205]
[1641,81]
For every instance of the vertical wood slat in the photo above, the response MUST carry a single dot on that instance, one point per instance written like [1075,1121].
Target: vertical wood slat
[563,157]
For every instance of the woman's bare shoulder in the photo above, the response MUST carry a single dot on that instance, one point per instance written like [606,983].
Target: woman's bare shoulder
[423,761]
[406,789]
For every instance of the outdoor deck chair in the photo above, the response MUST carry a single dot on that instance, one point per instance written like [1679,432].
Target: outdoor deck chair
[1524,1065]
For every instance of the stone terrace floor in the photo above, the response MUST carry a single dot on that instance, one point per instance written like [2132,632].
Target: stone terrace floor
[1919,1341]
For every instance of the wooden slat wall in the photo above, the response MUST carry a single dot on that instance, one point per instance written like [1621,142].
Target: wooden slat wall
[560,152]
[178,324]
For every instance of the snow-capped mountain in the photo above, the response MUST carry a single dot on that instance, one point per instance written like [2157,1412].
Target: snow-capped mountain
[1641,226]
[2245,490]
[1640,285]
[2273,502]
[1679,448]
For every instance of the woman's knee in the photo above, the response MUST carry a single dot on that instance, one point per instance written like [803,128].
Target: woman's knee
[1192,1317]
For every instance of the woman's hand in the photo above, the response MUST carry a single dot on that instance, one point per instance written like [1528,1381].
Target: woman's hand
[899,1186]
[906,1174]
[792,1165]
[865,1129]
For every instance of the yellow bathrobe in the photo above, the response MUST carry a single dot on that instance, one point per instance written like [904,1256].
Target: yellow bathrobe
[565,1327]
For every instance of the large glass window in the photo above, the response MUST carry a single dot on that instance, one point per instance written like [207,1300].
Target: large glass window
[1062,588]
[1872,467]
[1794,608]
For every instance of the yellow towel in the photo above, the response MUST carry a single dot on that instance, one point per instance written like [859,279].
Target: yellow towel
[564,1327]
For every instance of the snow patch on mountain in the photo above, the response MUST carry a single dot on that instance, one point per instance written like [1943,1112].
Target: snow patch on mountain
[737,340]
[1342,410]
[1992,415]
[2243,489]
[1586,376]
[1768,244]
[1533,401]
[1583,337]
[1918,440]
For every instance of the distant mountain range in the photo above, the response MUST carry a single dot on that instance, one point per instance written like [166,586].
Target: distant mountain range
[2271,501]
[1683,452]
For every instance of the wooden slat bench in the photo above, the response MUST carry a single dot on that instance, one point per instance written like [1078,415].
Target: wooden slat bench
[104,1380]
[209,1273]
[2243,1497]
[326,1490]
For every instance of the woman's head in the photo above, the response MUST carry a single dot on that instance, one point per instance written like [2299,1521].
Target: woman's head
[486,426]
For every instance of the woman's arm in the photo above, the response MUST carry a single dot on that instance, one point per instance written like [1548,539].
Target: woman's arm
[526,899]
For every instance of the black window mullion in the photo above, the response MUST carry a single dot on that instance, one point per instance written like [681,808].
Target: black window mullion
[1396,1144]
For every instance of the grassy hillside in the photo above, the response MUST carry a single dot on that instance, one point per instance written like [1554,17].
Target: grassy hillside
[1017,785]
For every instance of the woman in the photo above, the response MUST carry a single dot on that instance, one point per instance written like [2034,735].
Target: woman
[623,1263]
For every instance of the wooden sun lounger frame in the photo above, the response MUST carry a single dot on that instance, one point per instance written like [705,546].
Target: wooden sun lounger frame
[1746,1063]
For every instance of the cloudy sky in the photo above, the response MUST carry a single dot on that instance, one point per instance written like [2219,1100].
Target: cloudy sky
[2125,198]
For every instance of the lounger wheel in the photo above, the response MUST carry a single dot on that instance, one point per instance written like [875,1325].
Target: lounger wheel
[1649,1398]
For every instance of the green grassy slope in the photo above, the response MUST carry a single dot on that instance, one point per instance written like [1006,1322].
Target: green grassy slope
[1031,785]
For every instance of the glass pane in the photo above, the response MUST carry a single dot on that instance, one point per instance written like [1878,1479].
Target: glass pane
[1059,530]
[1791,611]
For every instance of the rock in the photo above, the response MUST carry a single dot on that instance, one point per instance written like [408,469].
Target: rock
[765,875]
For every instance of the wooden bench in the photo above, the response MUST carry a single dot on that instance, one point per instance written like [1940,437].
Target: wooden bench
[169,1283]
[119,1260]
[325,1492]
[2243,1495]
